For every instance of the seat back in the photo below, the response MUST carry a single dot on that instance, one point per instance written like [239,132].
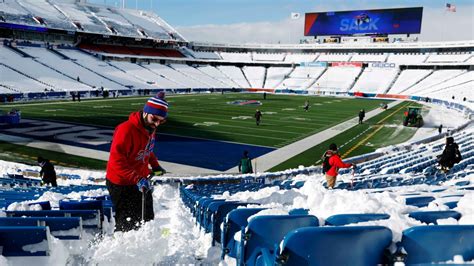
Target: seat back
[342,245]
[219,212]
[343,219]
[437,243]
[90,218]
[266,231]
[431,217]
[60,227]
[235,220]
[24,241]
[421,201]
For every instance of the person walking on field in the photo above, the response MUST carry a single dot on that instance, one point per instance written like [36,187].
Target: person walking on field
[331,164]
[361,116]
[131,155]
[306,106]
[245,164]
[258,117]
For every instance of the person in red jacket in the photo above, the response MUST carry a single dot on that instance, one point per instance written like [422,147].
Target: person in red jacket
[335,163]
[131,155]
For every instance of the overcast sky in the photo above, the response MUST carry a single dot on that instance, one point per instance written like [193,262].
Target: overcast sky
[268,21]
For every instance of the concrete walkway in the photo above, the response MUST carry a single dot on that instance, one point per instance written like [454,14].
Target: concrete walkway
[279,156]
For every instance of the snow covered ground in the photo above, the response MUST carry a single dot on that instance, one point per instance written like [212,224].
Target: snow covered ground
[173,238]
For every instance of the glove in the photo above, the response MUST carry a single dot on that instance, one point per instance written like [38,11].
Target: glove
[144,184]
[157,171]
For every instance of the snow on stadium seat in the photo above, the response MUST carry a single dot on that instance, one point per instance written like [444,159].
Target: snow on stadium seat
[431,217]
[24,241]
[419,201]
[438,243]
[45,205]
[90,218]
[451,204]
[343,219]
[235,221]
[60,227]
[265,232]
[83,205]
[356,245]
[219,212]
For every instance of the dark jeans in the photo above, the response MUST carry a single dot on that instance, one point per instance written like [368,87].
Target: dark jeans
[127,201]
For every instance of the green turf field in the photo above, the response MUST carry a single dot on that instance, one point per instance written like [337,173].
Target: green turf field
[380,131]
[210,116]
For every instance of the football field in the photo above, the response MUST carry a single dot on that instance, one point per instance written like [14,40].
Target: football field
[212,121]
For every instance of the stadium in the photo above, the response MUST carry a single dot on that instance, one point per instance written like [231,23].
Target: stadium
[72,72]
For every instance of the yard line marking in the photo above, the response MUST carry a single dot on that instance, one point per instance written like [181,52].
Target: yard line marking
[379,127]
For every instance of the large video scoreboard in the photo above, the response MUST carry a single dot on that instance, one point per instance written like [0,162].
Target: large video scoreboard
[364,22]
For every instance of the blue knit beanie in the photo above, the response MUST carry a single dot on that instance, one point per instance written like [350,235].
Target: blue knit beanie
[157,105]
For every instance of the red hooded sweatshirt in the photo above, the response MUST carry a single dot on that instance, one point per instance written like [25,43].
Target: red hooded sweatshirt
[131,152]
[335,162]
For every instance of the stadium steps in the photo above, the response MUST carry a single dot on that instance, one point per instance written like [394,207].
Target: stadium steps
[9,88]
[393,80]
[246,79]
[95,72]
[452,86]
[124,71]
[356,79]
[229,77]
[445,80]
[163,76]
[287,76]
[317,78]
[264,75]
[218,80]
[414,84]
[191,77]
[18,51]
[28,76]
[56,52]
[60,72]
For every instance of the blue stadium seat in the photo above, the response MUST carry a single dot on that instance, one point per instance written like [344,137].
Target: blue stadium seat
[333,246]
[264,233]
[343,219]
[430,217]
[90,218]
[45,205]
[422,201]
[451,204]
[83,205]
[219,212]
[60,227]
[438,243]
[14,238]
[235,221]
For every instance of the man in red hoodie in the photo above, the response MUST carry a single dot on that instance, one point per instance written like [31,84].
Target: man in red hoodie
[131,154]
[335,163]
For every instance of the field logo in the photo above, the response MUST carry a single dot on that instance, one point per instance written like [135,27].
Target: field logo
[245,102]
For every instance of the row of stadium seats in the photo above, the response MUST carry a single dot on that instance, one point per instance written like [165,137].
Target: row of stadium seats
[33,228]
[253,240]
[399,58]
[75,70]
[79,16]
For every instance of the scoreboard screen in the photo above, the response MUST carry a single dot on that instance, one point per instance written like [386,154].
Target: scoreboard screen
[375,21]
